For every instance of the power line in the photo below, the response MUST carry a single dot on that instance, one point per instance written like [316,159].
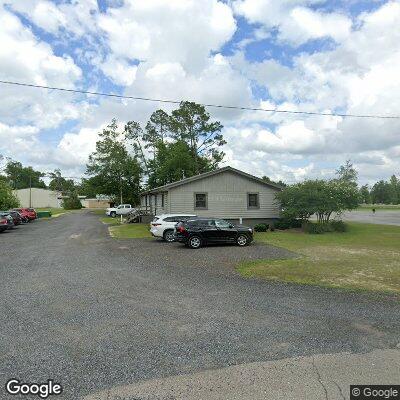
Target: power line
[271,110]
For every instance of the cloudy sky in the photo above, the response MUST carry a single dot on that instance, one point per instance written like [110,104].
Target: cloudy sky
[314,55]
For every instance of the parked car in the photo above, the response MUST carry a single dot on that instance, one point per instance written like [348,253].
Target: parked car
[201,231]
[32,212]
[163,226]
[8,217]
[3,223]
[27,214]
[122,209]
[16,216]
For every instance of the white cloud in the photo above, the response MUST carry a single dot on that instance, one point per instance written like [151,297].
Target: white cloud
[304,24]
[75,17]
[24,58]
[176,46]
[184,32]
[17,132]
[74,148]
[119,71]
[295,22]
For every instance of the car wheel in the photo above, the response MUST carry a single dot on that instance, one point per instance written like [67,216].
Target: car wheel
[113,214]
[242,240]
[169,236]
[194,242]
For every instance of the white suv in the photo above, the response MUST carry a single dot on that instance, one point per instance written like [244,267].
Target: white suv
[163,225]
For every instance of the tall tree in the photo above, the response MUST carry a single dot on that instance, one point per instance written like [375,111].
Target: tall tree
[269,180]
[59,183]
[394,190]
[117,172]
[21,177]
[381,192]
[365,195]
[179,145]
[191,124]
[156,131]
[347,173]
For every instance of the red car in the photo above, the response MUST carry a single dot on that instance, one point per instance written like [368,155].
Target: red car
[3,224]
[28,213]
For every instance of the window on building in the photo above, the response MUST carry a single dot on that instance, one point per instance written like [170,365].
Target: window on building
[200,201]
[162,200]
[253,200]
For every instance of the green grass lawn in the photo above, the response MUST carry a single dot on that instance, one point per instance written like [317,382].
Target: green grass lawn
[367,257]
[110,221]
[379,207]
[130,231]
[98,212]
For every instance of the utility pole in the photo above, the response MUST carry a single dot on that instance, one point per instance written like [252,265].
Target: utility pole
[120,191]
[30,190]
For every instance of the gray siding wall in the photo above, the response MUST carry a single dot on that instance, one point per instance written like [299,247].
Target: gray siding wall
[155,202]
[227,197]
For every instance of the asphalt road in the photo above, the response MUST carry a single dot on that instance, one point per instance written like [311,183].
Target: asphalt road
[96,313]
[384,217]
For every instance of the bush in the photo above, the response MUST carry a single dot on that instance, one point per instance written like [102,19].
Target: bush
[72,202]
[317,228]
[261,227]
[339,226]
[286,223]
[282,224]
[296,223]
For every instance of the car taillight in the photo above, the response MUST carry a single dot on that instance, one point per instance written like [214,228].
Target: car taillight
[181,229]
[3,221]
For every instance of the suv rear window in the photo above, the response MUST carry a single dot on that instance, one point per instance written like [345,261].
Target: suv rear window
[201,222]
[177,218]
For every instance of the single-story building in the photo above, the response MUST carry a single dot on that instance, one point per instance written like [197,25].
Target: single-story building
[96,203]
[225,193]
[36,197]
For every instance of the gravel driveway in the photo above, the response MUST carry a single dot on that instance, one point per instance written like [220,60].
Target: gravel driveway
[94,312]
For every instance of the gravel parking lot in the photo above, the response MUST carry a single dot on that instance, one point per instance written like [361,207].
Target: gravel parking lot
[93,312]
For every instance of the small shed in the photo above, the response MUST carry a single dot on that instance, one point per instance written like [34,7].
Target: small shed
[96,203]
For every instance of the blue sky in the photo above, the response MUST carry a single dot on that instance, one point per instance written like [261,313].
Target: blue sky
[309,55]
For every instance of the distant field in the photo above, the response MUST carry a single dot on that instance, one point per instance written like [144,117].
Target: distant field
[379,207]
[367,257]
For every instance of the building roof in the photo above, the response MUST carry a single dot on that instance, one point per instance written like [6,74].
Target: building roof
[208,174]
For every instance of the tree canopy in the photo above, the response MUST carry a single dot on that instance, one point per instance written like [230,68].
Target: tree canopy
[320,197]
[59,183]
[181,144]
[7,198]
[114,170]
[21,177]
